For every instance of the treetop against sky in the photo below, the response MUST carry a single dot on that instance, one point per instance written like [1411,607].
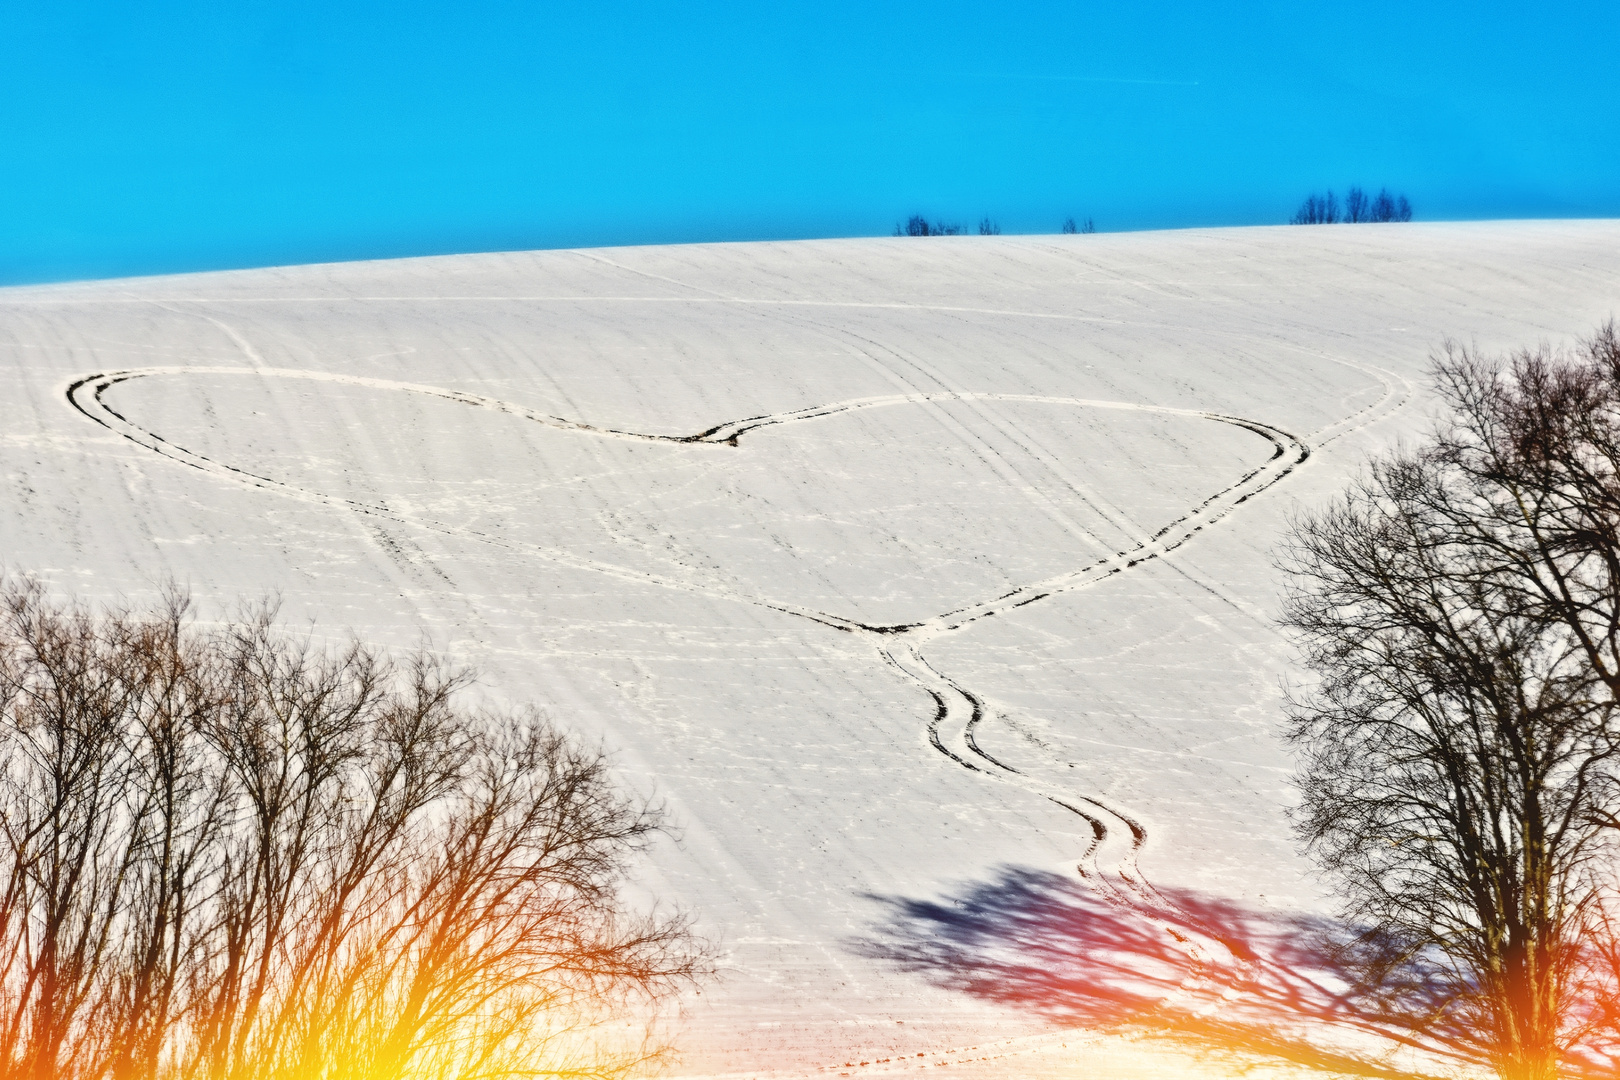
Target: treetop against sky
[175,134]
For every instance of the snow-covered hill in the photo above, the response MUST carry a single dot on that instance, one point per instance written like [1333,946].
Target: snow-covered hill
[927,581]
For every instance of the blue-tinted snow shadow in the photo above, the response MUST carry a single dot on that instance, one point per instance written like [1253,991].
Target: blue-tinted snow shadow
[1209,971]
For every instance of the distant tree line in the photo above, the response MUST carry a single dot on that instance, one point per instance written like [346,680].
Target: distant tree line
[919,225]
[1358,208]
[1324,209]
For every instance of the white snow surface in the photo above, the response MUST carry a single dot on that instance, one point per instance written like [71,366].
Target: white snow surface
[928,582]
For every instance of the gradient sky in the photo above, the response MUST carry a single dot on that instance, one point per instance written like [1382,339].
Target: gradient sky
[177,134]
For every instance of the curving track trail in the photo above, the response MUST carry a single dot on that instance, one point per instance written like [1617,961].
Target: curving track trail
[1217,969]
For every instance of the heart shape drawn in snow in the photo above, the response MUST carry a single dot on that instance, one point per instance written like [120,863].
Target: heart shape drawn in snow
[1116,836]
[89,395]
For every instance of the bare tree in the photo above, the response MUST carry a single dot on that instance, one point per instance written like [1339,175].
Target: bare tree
[1387,207]
[1458,755]
[236,855]
[988,227]
[918,225]
[1536,440]
[1358,208]
[1317,210]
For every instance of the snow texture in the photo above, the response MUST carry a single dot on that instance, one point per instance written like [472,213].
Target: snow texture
[925,581]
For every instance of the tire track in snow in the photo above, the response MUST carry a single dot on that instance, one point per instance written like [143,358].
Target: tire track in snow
[1110,861]
[87,395]
[1218,968]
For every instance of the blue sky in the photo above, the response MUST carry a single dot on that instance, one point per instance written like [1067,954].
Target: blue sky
[176,134]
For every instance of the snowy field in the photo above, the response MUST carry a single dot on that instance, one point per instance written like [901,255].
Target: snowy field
[926,581]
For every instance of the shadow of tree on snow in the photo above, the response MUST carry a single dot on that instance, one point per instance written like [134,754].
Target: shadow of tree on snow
[1205,970]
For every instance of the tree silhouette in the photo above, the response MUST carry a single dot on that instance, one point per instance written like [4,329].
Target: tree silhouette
[1317,210]
[1359,208]
[1461,753]
[918,225]
[232,854]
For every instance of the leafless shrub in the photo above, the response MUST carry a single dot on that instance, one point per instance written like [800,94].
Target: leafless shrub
[988,227]
[1387,207]
[1317,210]
[1069,226]
[917,225]
[1461,605]
[232,854]
[1359,208]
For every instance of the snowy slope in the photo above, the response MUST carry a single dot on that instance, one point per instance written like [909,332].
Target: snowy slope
[925,580]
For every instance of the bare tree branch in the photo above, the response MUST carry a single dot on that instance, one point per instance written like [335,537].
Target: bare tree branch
[236,855]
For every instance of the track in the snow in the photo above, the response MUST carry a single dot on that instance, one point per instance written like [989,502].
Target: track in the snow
[1116,837]
[88,396]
